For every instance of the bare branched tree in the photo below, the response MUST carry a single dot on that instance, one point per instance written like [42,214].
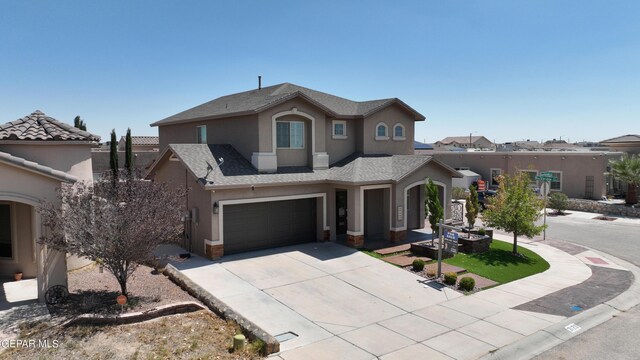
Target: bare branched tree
[119,223]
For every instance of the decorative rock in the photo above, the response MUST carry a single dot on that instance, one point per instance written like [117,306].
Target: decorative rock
[600,208]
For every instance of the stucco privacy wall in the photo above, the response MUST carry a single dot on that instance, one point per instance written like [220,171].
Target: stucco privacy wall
[241,132]
[391,116]
[72,159]
[438,174]
[574,167]
[174,173]
[27,190]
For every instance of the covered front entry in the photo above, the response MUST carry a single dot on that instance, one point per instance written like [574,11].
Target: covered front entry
[261,225]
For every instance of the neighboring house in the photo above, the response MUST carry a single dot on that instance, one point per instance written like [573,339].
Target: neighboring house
[580,174]
[473,142]
[285,164]
[417,145]
[140,143]
[37,155]
[625,143]
[145,152]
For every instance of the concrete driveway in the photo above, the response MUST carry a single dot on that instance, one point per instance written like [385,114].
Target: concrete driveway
[335,300]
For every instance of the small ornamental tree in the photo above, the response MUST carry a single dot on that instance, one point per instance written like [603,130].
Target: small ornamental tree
[79,123]
[128,151]
[433,209]
[515,208]
[113,155]
[558,202]
[119,223]
[472,207]
[627,169]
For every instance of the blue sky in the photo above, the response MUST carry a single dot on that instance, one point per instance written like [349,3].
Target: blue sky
[509,70]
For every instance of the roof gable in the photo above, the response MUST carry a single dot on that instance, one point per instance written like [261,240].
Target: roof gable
[40,127]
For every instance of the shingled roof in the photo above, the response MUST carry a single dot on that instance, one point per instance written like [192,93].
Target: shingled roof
[255,101]
[622,139]
[142,140]
[222,166]
[12,160]
[41,127]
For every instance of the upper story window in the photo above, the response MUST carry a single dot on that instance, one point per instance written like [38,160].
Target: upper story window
[382,131]
[290,134]
[339,129]
[6,244]
[201,132]
[398,132]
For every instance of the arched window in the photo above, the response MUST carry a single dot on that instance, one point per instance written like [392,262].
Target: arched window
[398,132]
[382,131]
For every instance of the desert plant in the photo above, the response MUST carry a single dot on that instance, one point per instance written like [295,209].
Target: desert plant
[515,208]
[558,202]
[119,223]
[417,265]
[458,193]
[627,169]
[450,278]
[467,283]
[433,209]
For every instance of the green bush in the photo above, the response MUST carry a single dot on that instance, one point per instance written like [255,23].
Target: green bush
[467,283]
[458,193]
[418,265]
[482,232]
[450,278]
[558,202]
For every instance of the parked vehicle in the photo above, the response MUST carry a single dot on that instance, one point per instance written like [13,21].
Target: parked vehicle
[483,196]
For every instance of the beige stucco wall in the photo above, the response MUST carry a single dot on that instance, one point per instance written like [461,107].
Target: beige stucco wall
[241,132]
[72,159]
[25,190]
[338,148]
[296,157]
[391,116]
[174,173]
[574,167]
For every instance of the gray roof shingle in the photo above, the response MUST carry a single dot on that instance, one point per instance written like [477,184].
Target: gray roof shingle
[257,100]
[206,162]
[33,166]
[38,126]
[622,139]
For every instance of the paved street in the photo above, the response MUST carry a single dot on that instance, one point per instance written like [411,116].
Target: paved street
[617,338]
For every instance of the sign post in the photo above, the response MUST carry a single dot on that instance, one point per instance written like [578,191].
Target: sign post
[546,178]
[451,239]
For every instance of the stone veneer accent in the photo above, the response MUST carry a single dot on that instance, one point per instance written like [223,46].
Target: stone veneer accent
[355,241]
[214,251]
[396,236]
[596,207]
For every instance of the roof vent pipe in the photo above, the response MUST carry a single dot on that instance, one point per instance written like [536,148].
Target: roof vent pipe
[259,82]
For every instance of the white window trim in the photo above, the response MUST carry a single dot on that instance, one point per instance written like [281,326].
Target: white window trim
[14,233]
[404,134]
[333,129]
[386,128]
[491,175]
[198,134]
[559,178]
[304,132]
[535,171]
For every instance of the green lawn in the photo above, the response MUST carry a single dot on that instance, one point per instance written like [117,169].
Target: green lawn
[498,264]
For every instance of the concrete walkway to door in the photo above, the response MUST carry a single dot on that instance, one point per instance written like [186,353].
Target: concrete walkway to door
[318,291]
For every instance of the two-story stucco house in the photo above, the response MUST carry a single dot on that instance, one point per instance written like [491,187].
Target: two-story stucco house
[285,164]
[37,155]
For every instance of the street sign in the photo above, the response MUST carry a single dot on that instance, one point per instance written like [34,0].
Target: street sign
[546,176]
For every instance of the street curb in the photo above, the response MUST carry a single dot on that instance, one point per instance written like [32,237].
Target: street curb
[556,334]
[272,345]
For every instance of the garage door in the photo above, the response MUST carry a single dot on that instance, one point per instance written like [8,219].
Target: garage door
[268,224]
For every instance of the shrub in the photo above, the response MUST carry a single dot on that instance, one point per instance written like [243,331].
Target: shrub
[558,202]
[450,278]
[467,283]
[418,265]
[431,272]
[458,193]
[482,232]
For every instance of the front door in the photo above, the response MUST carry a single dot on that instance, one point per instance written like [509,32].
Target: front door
[341,212]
